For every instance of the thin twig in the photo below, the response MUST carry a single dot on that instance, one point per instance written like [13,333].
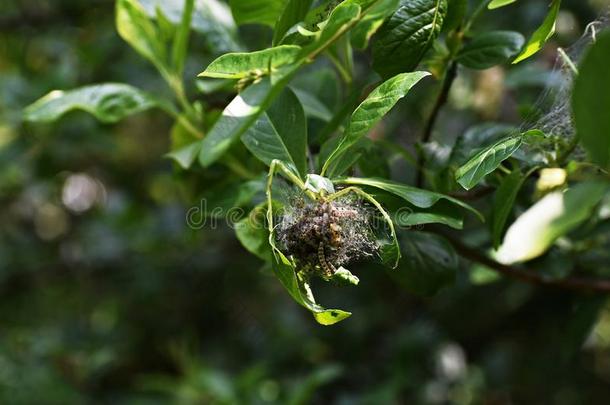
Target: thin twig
[442,98]
[474,194]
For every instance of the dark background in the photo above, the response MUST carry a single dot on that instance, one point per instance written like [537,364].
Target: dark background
[112,298]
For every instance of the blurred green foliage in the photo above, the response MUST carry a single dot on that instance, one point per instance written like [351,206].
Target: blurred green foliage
[106,295]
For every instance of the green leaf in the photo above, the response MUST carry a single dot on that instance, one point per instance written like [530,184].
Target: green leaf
[534,232]
[368,26]
[211,18]
[429,263]
[293,13]
[415,196]
[329,317]
[184,146]
[426,218]
[374,162]
[456,12]
[478,137]
[542,34]
[186,155]
[344,276]
[108,102]
[135,27]
[313,107]
[236,118]
[389,252]
[503,204]
[221,199]
[591,101]
[280,133]
[264,12]
[181,40]
[210,86]
[244,110]
[403,40]
[499,3]
[490,48]
[318,184]
[301,293]
[247,106]
[253,234]
[344,162]
[321,83]
[486,161]
[166,29]
[371,111]
[441,213]
[242,64]
[340,20]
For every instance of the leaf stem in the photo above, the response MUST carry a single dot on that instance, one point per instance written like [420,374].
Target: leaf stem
[184,121]
[177,86]
[181,39]
[343,72]
[568,61]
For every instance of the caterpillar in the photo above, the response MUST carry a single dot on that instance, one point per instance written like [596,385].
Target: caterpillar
[335,234]
[343,212]
[328,268]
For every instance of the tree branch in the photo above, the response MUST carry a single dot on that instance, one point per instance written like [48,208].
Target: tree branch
[529,276]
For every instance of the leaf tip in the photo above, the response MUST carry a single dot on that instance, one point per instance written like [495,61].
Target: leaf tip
[331,316]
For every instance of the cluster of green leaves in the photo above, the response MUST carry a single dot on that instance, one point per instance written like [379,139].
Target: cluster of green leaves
[558,213]
[270,117]
[136,307]
[563,210]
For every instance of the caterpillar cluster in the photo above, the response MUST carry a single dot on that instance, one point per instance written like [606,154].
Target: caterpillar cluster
[322,236]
